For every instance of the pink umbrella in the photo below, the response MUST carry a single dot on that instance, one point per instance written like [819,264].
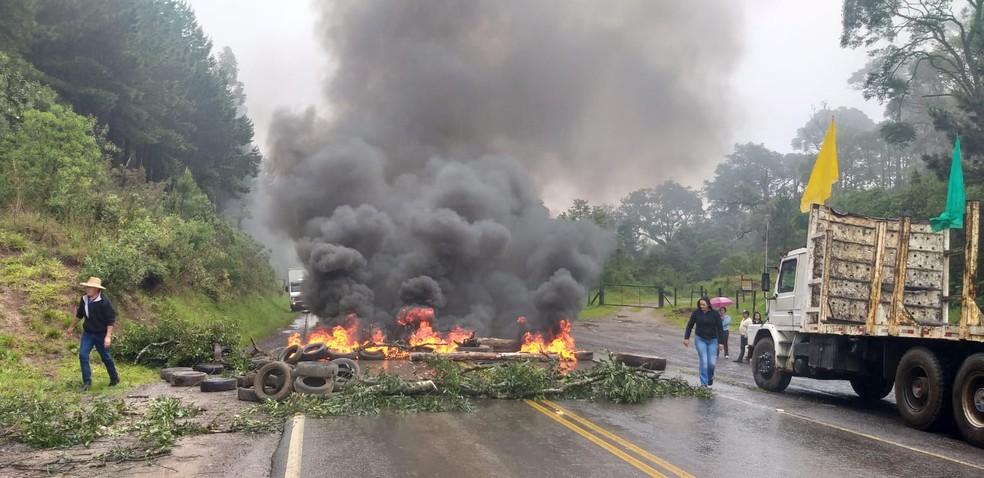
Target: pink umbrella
[719,302]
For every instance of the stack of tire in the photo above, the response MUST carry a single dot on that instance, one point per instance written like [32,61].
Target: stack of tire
[309,370]
[199,375]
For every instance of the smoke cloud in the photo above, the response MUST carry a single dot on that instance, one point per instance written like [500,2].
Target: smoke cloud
[450,119]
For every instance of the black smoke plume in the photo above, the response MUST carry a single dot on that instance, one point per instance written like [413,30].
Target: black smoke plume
[450,118]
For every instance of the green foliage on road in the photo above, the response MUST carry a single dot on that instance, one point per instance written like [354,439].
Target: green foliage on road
[455,384]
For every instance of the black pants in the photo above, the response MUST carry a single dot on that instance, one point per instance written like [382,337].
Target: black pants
[744,343]
[724,340]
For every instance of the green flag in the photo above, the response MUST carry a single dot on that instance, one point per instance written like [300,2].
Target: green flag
[953,216]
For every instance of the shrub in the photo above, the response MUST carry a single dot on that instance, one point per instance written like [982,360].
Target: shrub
[173,342]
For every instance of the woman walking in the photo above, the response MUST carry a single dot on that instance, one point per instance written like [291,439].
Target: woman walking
[708,335]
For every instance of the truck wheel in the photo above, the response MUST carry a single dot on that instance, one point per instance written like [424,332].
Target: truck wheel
[968,400]
[872,388]
[921,389]
[767,376]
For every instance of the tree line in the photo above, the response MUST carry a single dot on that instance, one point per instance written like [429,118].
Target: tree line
[120,134]
[926,64]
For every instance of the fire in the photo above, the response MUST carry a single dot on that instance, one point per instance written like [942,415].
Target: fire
[425,336]
[339,339]
[562,343]
[378,337]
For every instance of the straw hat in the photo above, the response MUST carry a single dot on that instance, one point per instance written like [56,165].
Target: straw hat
[93,282]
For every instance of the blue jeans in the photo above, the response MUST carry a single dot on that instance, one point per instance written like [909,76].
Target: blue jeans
[90,340]
[707,351]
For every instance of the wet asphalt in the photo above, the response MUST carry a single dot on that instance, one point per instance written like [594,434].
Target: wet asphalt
[815,428]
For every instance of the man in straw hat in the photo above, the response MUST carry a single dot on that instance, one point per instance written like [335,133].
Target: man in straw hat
[97,330]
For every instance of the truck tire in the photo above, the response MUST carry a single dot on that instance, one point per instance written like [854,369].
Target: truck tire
[317,386]
[767,376]
[315,351]
[187,379]
[166,372]
[316,369]
[279,387]
[218,384]
[246,394]
[921,389]
[968,400]
[349,372]
[291,354]
[872,388]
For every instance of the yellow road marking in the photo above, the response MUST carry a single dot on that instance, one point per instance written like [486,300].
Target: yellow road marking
[649,471]
[859,433]
[294,449]
[617,439]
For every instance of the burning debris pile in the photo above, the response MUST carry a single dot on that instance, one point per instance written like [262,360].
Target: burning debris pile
[418,338]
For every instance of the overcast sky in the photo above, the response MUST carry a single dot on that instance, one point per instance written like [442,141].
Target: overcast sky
[790,62]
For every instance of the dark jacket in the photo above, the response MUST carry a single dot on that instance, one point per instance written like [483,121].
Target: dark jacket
[101,314]
[708,325]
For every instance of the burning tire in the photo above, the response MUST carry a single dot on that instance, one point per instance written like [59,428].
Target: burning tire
[349,372]
[921,389]
[291,354]
[247,394]
[316,369]
[209,368]
[315,351]
[767,375]
[187,379]
[872,389]
[280,382]
[166,372]
[218,384]
[968,400]
[372,355]
[313,385]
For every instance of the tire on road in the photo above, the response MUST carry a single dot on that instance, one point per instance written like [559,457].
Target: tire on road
[921,389]
[767,376]
[209,368]
[246,380]
[258,363]
[333,354]
[247,394]
[218,384]
[968,400]
[316,369]
[315,351]
[166,372]
[349,372]
[187,379]
[317,386]
[872,388]
[373,355]
[277,389]
[291,354]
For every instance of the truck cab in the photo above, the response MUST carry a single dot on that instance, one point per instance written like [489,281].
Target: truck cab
[295,277]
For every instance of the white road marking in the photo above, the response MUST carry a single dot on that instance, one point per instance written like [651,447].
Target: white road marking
[294,449]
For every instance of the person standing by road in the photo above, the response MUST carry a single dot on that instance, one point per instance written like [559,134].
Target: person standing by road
[99,317]
[725,324]
[709,331]
[743,332]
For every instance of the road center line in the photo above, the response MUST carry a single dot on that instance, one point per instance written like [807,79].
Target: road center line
[646,469]
[858,433]
[293,468]
[621,441]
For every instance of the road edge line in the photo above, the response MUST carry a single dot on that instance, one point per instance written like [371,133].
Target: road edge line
[293,467]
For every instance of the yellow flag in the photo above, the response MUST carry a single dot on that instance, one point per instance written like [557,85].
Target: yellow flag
[825,172]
